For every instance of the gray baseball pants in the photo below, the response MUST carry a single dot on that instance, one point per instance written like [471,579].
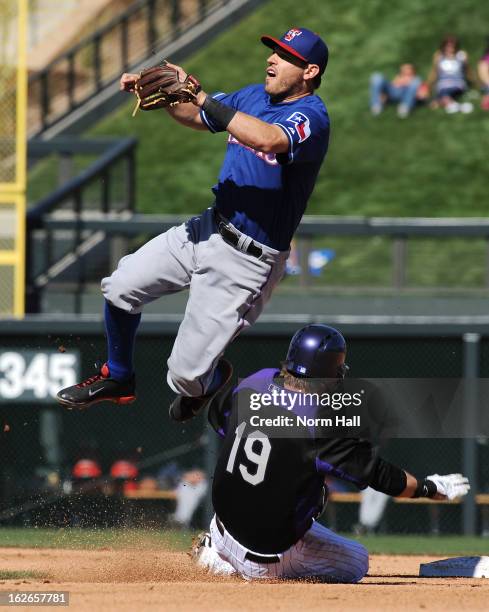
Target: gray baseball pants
[228,290]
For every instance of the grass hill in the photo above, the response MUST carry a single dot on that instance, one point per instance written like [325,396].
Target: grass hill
[430,164]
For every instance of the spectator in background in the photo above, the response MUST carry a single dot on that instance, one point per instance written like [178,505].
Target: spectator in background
[124,473]
[190,487]
[86,470]
[372,506]
[190,492]
[483,74]
[403,89]
[450,76]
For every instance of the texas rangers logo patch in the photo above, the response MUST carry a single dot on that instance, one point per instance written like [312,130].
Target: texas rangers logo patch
[292,34]
[301,123]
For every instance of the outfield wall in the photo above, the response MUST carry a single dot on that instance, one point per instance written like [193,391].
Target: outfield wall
[39,355]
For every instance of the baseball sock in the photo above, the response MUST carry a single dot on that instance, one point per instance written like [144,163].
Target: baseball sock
[121,328]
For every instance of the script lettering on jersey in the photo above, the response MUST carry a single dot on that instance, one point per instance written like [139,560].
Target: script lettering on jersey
[268,158]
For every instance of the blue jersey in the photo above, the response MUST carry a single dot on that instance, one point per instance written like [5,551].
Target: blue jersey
[265,195]
[268,483]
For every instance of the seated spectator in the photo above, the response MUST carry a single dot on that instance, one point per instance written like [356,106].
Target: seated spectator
[450,76]
[190,487]
[483,74]
[191,492]
[403,89]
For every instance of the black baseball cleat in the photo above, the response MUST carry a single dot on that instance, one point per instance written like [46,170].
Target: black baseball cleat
[98,388]
[184,408]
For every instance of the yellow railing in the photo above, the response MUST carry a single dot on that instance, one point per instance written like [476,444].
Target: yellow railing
[13,143]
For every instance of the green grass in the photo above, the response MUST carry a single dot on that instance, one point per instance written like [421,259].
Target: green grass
[430,164]
[445,262]
[75,538]
[424,545]
[43,179]
[72,538]
[20,575]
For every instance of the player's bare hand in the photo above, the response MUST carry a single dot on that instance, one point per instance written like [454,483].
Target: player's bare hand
[182,75]
[199,98]
[128,81]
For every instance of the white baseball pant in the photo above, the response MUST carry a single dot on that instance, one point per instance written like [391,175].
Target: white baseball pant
[228,291]
[372,507]
[320,553]
[189,496]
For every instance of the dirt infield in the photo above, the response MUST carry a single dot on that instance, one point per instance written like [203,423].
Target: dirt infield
[129,580]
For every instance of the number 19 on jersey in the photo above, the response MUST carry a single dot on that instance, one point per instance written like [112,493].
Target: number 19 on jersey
[257,449]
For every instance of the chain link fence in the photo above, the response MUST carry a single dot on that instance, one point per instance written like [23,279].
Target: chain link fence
[12,158]
[9,54]
[7,123]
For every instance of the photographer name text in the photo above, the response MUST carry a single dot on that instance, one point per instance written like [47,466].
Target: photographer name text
[305,421]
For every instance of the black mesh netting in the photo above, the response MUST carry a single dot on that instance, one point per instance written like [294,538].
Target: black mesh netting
[143,433]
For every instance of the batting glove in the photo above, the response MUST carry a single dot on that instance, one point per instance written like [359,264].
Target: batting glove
[451,485]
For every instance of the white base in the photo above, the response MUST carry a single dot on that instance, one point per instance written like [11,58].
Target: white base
[464,567]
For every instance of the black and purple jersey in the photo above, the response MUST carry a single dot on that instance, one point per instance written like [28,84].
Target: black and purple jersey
[269,481]
[265,195]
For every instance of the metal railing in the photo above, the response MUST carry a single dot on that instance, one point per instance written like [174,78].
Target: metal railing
[105,189]
[399,230]
[97,61]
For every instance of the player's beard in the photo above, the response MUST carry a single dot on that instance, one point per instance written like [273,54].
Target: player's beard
[286,91]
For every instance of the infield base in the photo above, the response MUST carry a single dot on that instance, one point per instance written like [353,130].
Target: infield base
[456,567]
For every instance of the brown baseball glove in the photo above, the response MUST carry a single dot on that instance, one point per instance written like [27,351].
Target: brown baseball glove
[160,87]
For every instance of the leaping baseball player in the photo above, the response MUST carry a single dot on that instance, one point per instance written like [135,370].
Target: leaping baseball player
[233,254]
[268,489]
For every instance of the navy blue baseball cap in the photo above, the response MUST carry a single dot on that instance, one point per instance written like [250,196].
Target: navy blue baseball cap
[303,44]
